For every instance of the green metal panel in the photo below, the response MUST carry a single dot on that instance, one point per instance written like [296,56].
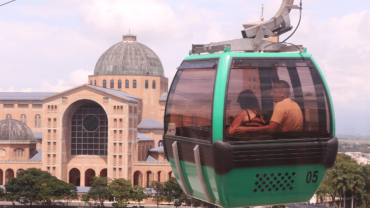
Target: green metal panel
[190,172]
[238,187]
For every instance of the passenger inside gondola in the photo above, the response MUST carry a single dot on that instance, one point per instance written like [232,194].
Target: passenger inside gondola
[287,115]
[250,114]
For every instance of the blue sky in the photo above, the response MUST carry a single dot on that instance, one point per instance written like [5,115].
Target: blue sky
[53,45]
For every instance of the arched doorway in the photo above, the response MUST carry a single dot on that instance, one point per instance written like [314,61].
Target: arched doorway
[9,174]
[170,175]
[1,177]
[19,171]
[89,175]
[103,173]
[138,178]
[74,177]
[149,178]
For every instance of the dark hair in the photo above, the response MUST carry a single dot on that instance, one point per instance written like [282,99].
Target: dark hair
[248,100]
[283,85]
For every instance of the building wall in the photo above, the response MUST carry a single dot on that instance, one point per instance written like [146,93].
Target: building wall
[55,123]
[119,145]
[151,107]
[17,108]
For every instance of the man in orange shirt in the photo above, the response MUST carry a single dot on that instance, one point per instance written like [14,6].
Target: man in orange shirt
[287,115]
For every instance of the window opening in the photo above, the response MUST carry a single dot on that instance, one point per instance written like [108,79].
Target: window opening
[112,83]
[303,99]
[190,100]
[89,133]
[104,84]
[146,84]
[127,84]
[119,84]
[134,84]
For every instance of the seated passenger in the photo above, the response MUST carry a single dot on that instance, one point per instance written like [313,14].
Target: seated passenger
[250,115]
[287,115]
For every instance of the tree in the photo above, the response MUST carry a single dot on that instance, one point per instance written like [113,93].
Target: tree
[173,191]
[52,189]
[99,191]
[157,191]
[138,194]
[26,187]
[121,190]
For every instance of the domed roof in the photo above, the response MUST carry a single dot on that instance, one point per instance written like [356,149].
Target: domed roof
[11,130]
[129,58]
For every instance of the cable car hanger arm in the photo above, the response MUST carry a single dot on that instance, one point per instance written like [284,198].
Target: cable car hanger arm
[254,33]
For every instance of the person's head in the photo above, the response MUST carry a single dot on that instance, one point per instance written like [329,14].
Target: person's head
[248,100]
[280,90]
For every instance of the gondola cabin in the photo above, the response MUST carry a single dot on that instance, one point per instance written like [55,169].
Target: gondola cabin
[233,143]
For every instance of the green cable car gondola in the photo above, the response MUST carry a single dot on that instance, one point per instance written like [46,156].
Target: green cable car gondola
[246,128]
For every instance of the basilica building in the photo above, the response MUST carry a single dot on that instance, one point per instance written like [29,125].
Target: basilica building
[112,126]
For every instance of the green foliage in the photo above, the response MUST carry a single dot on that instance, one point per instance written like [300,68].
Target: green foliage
[34,186]
[137,194]
[99,191]
[121,190]
[278,206]
[173,191]
[26,187]
[55,189]
[157,191]
[348,180]
[1,192]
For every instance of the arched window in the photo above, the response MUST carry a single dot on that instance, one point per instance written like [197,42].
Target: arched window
[49,122]
[119,84]
[146,84]
[95,82]
[23,118]
[153,84]
[37,121]
[160,143]
[18,152]
[2,152]
[105,83]
[115,123]
[90,82]
[55,123]
[127,83]
[8,116]
[112,83]
[134,84]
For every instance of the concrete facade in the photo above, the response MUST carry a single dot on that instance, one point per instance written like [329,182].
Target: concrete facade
[117,148]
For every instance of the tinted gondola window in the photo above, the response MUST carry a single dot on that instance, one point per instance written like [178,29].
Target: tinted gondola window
[290,93]
[189,106]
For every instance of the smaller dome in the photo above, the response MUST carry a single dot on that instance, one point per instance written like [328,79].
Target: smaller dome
[11,130]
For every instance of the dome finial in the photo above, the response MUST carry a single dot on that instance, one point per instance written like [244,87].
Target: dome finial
[262,18]
[129,37]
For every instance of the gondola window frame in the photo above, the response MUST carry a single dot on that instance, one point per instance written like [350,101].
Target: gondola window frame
[216,68]
[312,68]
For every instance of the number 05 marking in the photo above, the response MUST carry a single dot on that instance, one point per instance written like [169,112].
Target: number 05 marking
[311,177]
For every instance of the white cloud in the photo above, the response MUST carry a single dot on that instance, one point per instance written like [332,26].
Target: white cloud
[75,78]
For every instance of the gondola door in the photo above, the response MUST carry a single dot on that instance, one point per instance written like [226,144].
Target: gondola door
[188,127]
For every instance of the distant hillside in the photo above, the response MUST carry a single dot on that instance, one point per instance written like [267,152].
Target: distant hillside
[353,137]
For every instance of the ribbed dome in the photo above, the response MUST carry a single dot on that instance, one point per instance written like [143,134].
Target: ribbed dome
[11,130]
[129,58]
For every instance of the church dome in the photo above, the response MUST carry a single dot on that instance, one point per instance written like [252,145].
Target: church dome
[129,57]
[11,130]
